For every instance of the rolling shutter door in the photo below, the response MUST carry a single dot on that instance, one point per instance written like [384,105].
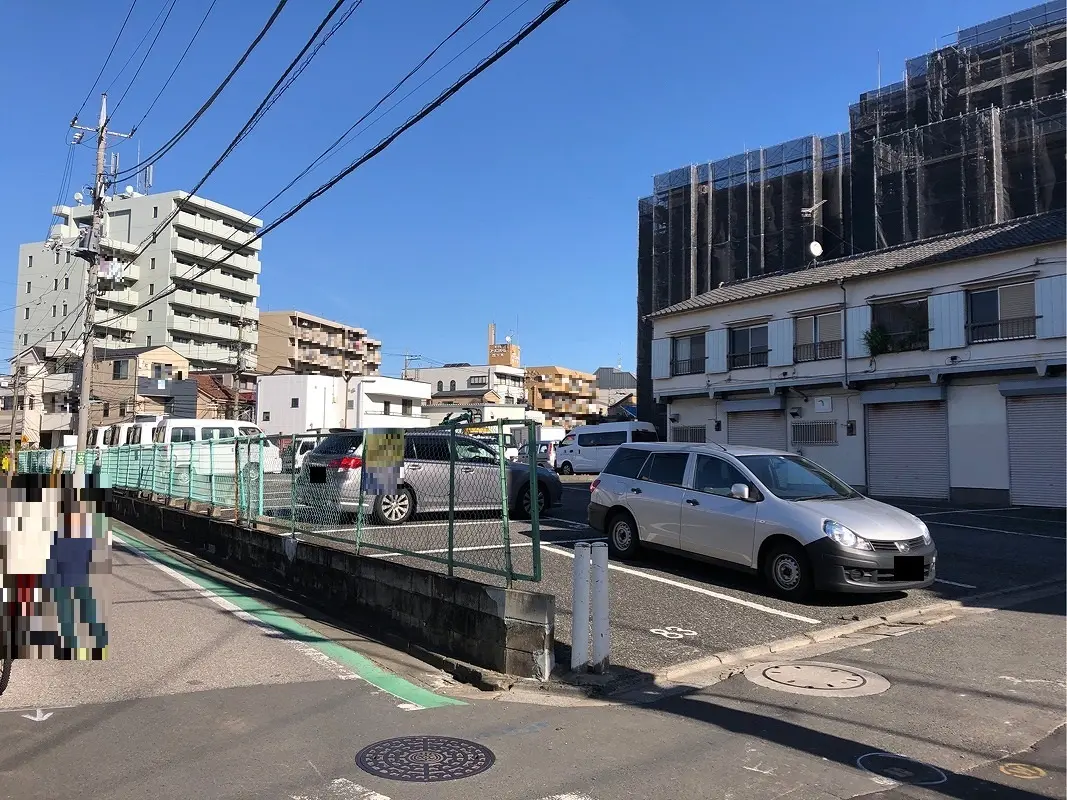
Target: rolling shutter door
[907,450]
[1037,454]
[757,429]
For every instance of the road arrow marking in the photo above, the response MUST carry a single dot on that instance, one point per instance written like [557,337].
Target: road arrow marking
[40,716]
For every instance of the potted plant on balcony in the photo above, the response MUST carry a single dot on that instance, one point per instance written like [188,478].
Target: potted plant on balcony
[877,341]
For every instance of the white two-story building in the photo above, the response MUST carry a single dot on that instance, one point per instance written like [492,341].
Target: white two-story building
[930,370]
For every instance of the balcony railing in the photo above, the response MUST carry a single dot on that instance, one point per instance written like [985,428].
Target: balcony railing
[753,358]
[688,366]
[879,341]
[817,351]
[1002,330]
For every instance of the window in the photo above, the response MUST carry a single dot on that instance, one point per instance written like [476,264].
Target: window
[1004,312]
[149,315]
[155,212]
[451,386]
[151,288]
[122,409]
[605,439]
[63,335]
[266,416]
[294,402]
[29,261]
[52,336]
[152,264]
[405,407]
[55,284]
[64,309]
[689,433]
[57,256]
[567,440]
[385,407]
[216,433]
[162,371]
[665,468]
[183,434]
[815,433]
[626,463]
[898,327]
[148,341]
[27,316]
[687,357]
[68,257]
[796,478]
[472,450]
[120,370]
[29,287]
[478,380]
[642,435]
[748,347]
[440,386]
[715,476]
[107,409]
[66,283]
[53,312]
[817,337]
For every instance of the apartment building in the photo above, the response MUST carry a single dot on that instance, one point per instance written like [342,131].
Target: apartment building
[40,398]
[141,380]
[929,370]
[291,403]
[461,383]
[306,344]
[208,318]
[567,397]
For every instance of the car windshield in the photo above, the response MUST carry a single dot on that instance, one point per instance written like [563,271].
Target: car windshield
[793,477]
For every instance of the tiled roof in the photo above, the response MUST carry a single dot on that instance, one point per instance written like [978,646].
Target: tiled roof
[1024,232]
[211,387]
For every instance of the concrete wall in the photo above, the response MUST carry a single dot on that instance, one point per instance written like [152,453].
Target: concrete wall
[320,403]
[504,630]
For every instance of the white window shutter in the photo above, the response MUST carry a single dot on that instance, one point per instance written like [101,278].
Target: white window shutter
[946,319]
[1051,306]
[715,350]
[859,322]
[780,343]
[661,358]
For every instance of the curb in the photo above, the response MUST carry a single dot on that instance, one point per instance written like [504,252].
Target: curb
[742,654]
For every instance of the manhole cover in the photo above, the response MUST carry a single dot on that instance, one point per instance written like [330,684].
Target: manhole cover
[816,678]
[901,769]
[425,759]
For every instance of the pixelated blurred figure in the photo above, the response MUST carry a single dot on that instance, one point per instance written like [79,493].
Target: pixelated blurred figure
[383,461]
[55,564]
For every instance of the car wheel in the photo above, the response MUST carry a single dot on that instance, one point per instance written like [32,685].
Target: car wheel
[788,571]
[524,506]
[394,509]
[623,541]
[566,469]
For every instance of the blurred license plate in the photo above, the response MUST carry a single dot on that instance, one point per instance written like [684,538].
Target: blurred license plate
[908,568]
[318,475]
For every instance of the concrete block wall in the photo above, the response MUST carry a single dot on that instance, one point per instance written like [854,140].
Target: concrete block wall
[505,630]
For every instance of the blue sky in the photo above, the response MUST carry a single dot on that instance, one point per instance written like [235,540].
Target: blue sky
[514,203]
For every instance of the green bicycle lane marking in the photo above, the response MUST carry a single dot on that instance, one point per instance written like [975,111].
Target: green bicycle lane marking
[359,664]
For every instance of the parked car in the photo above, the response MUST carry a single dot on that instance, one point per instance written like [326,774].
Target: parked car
[293,453]
[588,448]
[766,511]
[546,454]
[332,472]
[189,451]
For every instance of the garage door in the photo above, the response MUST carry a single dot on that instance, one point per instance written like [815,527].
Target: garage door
[757,429]
[1037,454]
[907,450]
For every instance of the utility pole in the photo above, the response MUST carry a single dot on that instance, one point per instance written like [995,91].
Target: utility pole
[14,415]
[239,366]
[89,248]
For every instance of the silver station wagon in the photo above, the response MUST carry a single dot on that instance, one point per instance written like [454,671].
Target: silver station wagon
[766,511]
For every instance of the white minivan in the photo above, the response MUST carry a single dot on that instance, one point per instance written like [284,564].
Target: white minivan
[190,451]
[588,448]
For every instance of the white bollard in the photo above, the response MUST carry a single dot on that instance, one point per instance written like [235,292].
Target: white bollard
[601,624]
[580,611]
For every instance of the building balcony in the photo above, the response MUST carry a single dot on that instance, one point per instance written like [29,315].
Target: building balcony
[209,328]
[215,279]
[1002,330]
[817,351]
[688,366]
[210,253]
[118,297]
[114,320]
[216,229]
[751,358]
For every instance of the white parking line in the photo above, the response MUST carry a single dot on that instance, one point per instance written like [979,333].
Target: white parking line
[953,583]
[965,511]
[997,530]
[698,589]
[405,526]
[479,547]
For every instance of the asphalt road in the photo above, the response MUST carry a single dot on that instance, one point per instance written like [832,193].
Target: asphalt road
[704,609]
[224,691]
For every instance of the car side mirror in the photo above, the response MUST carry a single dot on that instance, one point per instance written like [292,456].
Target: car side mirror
[740,491]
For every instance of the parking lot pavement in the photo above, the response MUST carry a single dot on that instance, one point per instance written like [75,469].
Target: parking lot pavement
[667,609]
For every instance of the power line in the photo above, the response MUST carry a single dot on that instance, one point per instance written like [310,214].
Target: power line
[129,59]
[107,60]
[428,109]
[154,157]
[170,77]
[147,53]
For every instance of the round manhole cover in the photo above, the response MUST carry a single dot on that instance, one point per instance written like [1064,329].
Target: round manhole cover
[901,769]
[425,759]
[816,678]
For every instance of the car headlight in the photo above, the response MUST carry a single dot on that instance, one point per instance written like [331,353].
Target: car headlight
[925,532]
[845,536]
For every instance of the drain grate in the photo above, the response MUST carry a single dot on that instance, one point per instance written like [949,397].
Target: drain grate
[817,679]
[425,759]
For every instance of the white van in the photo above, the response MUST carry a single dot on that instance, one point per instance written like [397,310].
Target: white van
[588,448]
[119,434]
[189,450]
[98,437]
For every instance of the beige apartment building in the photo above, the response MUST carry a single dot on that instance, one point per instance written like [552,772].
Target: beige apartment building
[141,380]
[567,397]
[310,345]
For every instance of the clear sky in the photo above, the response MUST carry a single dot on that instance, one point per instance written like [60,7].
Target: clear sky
[514,203]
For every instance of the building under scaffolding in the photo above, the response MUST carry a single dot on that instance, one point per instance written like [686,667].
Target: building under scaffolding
[974,134]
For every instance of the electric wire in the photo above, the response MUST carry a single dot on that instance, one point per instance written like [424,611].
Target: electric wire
[549,11]
[181,59]
[140,66]
[188,126]
[133,53]
[107,60]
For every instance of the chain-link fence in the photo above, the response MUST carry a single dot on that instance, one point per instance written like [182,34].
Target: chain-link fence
[456,496]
